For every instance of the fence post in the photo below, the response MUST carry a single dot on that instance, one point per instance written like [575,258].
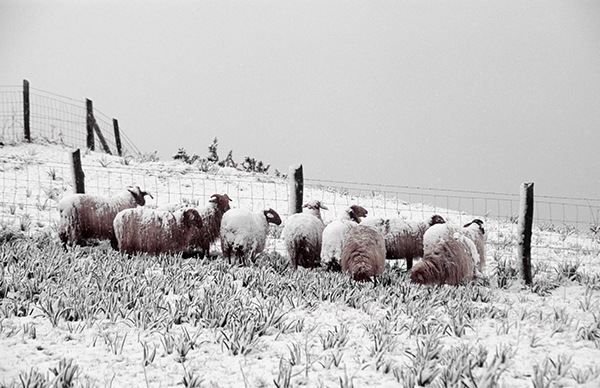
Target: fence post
[296,188]
[26,126]
[78,175]
[117,137]
[524,231]
[90,125]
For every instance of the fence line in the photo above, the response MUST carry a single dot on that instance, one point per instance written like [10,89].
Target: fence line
[31,189]
[54,119]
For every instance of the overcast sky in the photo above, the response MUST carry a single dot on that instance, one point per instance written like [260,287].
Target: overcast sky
[473,95]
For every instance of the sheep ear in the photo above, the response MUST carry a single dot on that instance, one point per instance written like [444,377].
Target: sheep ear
[144,193]
[323,206]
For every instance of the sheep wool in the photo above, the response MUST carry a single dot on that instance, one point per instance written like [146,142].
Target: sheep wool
[474,231]
[403,238]
[155,232]
[85,216]
[244,233]
[335,234]
[363,256]
[449,260]
[303,233]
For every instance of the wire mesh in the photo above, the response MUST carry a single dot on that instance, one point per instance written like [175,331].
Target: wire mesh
[55,119]
[565,229]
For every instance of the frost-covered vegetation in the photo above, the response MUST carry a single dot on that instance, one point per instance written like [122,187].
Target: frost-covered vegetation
[90,317]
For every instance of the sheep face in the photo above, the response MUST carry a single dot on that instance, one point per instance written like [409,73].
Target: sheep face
[222,201]
[272,217]
[138,195]
[191,217]
[436,219]
[357,212]
[478,222]
[315,205]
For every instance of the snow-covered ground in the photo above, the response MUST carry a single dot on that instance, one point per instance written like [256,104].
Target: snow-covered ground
[549,338]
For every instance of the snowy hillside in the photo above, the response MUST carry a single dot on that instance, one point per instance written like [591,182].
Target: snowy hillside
[95,318]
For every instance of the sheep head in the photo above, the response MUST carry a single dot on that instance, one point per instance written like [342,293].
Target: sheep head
[356,213]
[222,201]
[436,219]
[314,208]
[138,194]
[272,217]
[315,205]
[191,217]
[478,222]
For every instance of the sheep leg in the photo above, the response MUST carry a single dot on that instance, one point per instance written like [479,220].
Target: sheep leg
[114,243]
[409,263]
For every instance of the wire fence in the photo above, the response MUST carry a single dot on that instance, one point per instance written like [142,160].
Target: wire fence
[54,119]
[565,229]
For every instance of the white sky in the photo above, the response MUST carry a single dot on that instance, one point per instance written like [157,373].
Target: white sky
[474,95]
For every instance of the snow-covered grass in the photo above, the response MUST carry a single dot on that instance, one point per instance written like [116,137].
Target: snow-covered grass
[148,321]
[91,317]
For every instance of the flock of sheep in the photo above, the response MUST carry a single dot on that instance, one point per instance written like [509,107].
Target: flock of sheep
[450,254]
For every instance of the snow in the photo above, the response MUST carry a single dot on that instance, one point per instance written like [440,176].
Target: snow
[535,326]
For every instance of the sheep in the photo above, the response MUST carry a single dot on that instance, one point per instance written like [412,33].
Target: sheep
[335,234]
[303,233]
[449,260]
[211,215]
[363,255]
[244,233]
[155,231]
[85,216]
[473,230]
[403,239]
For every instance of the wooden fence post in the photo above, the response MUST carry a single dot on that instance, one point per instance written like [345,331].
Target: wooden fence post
[296,188]
[117,137]
[524,231]
[26,126]
[78,175]
[92,126]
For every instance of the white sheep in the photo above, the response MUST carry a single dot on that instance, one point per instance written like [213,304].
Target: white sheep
[244,233]
[448,260]
[335,234]
[303,233]
[85,216]
[211,215]
[154,231]
[473,230]
[403,238]
[363,256]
